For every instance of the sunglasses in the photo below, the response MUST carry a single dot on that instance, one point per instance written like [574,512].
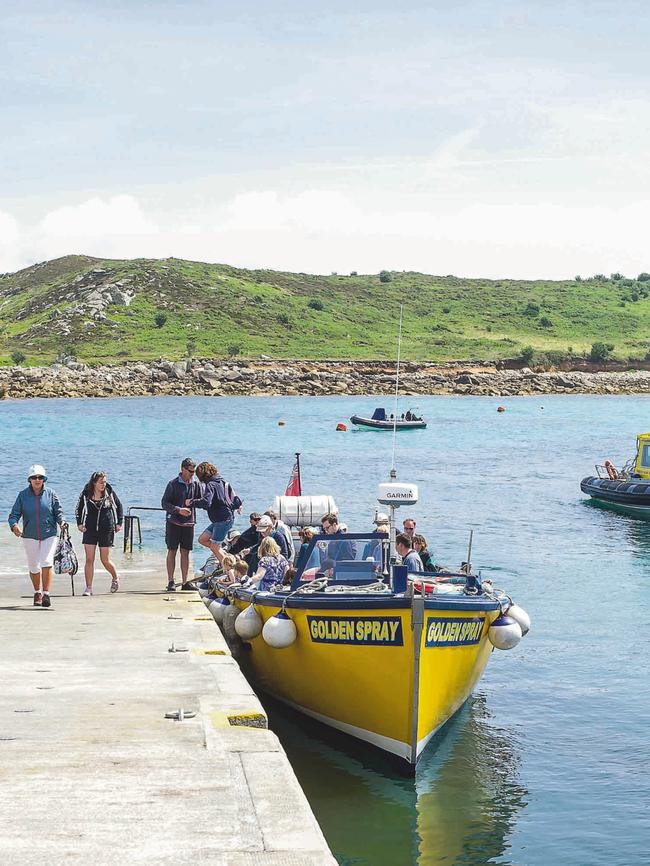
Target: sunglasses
[37,478]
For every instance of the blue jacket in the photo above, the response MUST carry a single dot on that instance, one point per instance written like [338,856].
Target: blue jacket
[40,514]
[176,492]
[218,499]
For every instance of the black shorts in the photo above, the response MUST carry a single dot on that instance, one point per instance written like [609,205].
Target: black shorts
[178,536]
[101,537]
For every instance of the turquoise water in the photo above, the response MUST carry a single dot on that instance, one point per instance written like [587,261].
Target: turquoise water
[548,762]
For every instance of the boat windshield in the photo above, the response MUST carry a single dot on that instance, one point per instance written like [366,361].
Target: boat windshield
[347,558]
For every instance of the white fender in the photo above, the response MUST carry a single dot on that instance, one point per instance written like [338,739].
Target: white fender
[230,616]
[504,633]
[279,631]
[520,616]
[249,623]
[218,608]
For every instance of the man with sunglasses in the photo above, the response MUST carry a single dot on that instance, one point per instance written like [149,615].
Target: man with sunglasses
[179,527]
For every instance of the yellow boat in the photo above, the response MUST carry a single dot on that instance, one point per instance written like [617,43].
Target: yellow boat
[357,647]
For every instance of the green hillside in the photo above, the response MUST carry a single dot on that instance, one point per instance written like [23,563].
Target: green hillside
[105,310]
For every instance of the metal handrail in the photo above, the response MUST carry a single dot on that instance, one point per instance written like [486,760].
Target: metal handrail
[133,520]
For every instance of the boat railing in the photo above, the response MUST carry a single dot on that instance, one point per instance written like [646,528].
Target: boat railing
[622,474]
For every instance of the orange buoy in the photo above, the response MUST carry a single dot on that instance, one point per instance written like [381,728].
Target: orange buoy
[342,428]
[501,408]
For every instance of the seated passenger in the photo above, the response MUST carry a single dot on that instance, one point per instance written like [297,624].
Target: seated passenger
[272,565]
[373,549]
[420,547]
[228,568]
[341,548]
[241,571]
[404,548]
[302,562]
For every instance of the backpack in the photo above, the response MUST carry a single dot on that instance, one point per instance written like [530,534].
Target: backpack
[230,497]
[65,559]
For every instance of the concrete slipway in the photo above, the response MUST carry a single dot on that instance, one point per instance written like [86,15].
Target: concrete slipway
[92,772]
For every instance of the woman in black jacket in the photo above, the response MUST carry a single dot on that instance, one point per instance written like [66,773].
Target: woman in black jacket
[99,516]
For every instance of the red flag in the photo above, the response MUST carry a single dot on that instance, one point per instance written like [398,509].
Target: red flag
[293,487]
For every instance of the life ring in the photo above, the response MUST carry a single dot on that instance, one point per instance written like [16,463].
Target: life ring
[611,470]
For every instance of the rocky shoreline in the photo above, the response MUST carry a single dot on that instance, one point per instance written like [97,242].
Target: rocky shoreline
[306,378]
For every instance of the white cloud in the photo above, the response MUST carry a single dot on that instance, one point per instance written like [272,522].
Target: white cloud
[319,230]
[9,239]
[97,218]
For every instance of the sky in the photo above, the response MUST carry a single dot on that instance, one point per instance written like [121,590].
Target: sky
[481,139]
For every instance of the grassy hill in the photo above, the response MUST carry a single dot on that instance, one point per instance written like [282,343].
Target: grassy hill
[105,310]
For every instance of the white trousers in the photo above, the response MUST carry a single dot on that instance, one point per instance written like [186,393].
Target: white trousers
[40,554]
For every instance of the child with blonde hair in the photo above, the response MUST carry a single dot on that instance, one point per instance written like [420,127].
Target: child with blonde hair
[228,564]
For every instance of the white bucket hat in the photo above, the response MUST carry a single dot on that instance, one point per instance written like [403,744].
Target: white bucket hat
[36,469]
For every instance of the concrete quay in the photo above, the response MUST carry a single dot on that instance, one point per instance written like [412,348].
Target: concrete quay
[92,772]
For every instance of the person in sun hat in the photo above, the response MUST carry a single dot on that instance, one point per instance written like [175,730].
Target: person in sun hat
[39,509]
[264,529]
[375,550]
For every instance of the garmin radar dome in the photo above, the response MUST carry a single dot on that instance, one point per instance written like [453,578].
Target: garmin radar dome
[394,494]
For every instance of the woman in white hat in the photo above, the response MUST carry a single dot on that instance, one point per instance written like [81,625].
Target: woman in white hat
[39,509]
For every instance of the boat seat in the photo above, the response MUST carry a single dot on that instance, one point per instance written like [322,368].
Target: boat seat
[354,571]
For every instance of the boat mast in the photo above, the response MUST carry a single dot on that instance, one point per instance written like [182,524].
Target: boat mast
[393,471]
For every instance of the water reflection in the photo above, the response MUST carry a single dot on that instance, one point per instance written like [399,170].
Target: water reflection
[460,808]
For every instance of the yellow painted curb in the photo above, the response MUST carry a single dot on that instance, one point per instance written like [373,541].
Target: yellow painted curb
[239,720]
[210,652]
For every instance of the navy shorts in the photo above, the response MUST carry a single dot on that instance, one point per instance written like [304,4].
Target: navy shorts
[101,538]
[179,536]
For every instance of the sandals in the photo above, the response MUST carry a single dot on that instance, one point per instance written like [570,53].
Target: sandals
[115,584]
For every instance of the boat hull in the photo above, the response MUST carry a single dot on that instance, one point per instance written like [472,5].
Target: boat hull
[372,672]
[372,424]
[627,497]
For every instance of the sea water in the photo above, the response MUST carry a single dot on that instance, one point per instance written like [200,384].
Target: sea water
[548,761]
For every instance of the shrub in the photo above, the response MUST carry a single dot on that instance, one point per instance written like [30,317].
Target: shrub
[616,276]
[283,319]
[446,310]
[643,277]
[527,355]
[578,278]
[315,304]
[234,349]
[545,322]
[634,296]
[385,276]
[353,274]
[160,319]
[18,358]
[601,278]
[532,309]
[600,351]
[627,282]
